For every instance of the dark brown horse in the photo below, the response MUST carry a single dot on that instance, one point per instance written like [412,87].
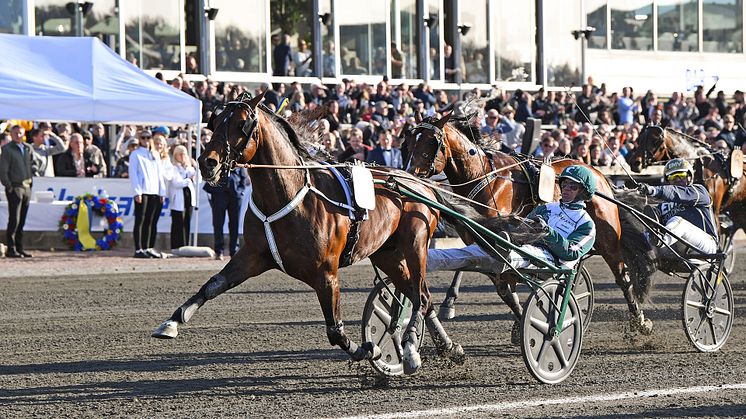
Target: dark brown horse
[308,242]
[455,149]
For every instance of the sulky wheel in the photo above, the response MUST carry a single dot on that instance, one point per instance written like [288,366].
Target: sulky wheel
[384,322]
[582,289]
[550,356]
[708,314]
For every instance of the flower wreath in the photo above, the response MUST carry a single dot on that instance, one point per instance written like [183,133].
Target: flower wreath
[98,205]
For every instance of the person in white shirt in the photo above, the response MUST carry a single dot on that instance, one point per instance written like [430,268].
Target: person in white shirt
[149,188]
[181,196]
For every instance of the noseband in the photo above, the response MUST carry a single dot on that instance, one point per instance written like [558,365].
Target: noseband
[233,154]
[439,135]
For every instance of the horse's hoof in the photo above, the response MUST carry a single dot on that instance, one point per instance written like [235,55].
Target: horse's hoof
[167,330]
[515,334]
[412,360]
[457,355]
[446,313]
[374,352]
[641,324]
[646,328]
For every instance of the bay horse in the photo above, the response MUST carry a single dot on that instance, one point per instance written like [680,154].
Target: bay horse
[453,146]
[307,234]
[658,144]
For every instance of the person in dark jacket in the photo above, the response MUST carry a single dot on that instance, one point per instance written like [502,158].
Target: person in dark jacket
[385,154]
[16,162]
[227,197]
[687,210]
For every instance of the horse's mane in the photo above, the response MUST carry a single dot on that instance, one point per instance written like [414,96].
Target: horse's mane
[468,126]
[299,135]
[683,146]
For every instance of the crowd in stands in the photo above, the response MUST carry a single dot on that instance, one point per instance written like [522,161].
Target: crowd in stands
[592,125]
[365,121]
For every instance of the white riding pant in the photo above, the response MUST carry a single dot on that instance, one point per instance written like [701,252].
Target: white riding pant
[473,257]
[690,233]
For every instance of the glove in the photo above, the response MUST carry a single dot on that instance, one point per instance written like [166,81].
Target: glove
[541,224]
[645,189]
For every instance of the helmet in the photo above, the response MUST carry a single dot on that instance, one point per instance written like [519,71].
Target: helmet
[677,166]
[583,176]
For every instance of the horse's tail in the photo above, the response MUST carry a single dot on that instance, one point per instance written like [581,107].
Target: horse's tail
[521,230]
[638,255]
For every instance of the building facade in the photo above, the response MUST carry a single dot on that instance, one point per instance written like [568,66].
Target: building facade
[664,45]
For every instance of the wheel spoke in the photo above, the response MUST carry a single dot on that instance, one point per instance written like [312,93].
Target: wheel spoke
[568,322]
[712,331]
[540,352]
[722,311]
[560,352]
[383,315]
[699,326]
[695,304]
[539,324]
[582,296]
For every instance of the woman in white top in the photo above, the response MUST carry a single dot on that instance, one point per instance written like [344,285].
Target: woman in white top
[181,196]
[160,149]
[147,182]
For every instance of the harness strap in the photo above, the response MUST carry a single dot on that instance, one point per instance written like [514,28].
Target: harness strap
[276,216]
[486,180]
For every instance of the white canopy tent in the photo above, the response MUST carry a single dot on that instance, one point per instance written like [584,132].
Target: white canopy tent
[81,79]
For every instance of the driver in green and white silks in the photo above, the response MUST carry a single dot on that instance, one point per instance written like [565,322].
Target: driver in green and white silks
[687,210]
[570,232]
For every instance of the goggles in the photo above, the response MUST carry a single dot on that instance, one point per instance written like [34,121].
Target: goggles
[573,186]
[677,176]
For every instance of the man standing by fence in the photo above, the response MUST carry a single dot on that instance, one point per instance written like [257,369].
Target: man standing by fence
[16,177]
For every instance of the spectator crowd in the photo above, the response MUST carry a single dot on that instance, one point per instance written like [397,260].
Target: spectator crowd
[364,122]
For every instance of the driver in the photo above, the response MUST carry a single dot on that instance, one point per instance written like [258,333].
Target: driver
[570,232]
[687,210]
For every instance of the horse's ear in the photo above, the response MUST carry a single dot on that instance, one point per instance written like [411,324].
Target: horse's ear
[440,123]
[255,101]
[418,117]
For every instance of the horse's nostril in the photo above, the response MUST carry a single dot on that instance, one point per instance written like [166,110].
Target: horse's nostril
[211,163]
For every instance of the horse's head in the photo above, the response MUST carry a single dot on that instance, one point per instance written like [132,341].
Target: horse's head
[651,147]
[234,139]
[426,147]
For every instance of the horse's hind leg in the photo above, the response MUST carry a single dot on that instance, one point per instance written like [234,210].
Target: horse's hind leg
[327,291]
[443,343]
[447,307]
[637,320]
[241,267]
[505,285]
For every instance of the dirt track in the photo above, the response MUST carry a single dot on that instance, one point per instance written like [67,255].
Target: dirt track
[76,343]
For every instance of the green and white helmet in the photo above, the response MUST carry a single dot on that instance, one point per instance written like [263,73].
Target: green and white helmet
[677,166]
[583,176]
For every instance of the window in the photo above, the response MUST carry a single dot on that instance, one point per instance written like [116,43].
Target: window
[362,37]
[596,17]
[328,48]
[631,24]
[474,48]
[240,36]
[722,26]
[678,25]
[292,18]
[11,16]
[562,52]
[52,19]
[406,49]
[433,13]
[514,43]
[153,34]
[102,21]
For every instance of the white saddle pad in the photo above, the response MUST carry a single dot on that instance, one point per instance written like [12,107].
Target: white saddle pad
[362,185]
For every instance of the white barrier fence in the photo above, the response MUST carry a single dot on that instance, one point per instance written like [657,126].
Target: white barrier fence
[45,216]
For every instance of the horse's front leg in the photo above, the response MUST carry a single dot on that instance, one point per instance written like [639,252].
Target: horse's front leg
[242,266]
[327,291]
